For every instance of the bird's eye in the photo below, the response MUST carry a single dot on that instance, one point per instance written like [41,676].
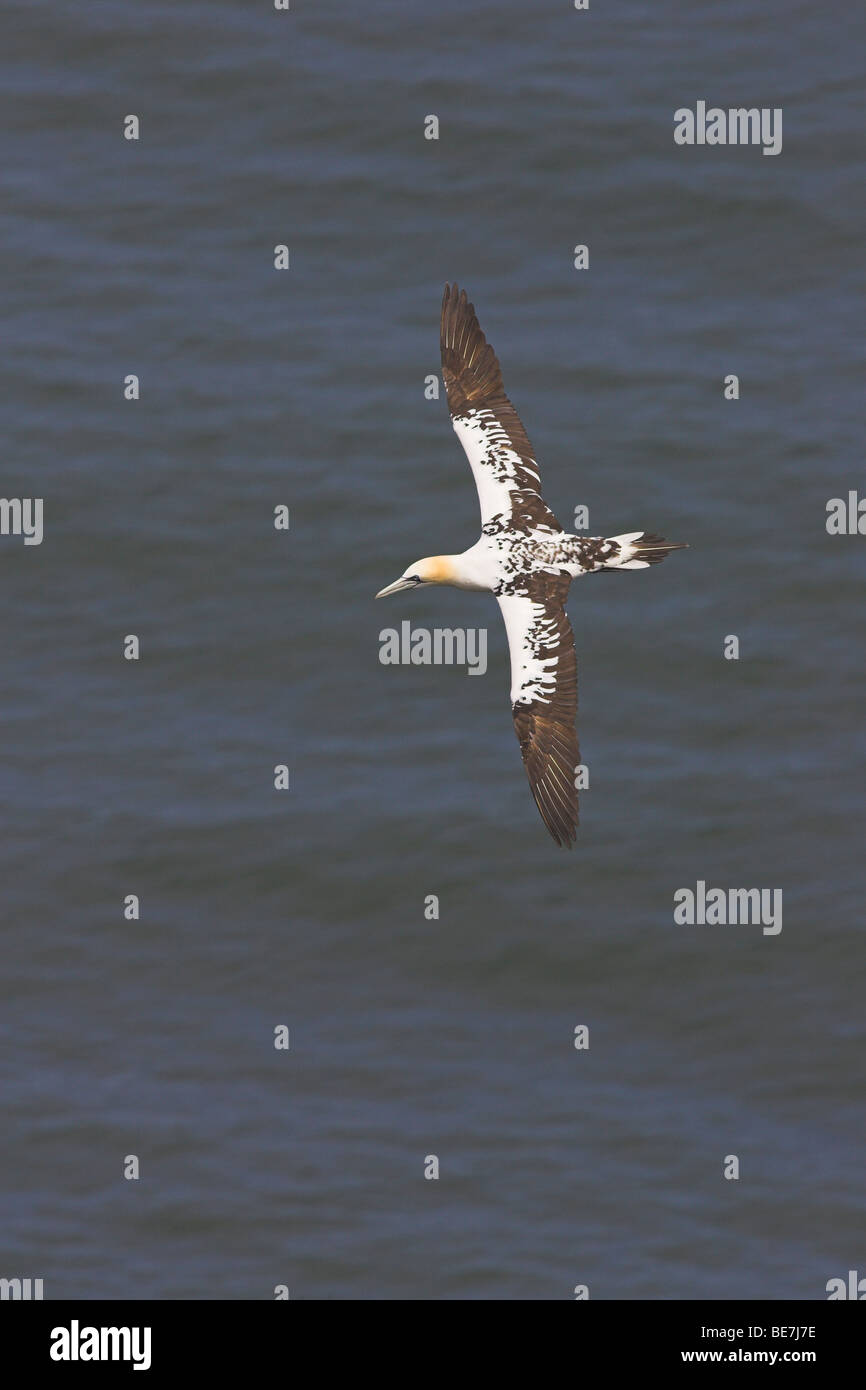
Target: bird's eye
[414,578]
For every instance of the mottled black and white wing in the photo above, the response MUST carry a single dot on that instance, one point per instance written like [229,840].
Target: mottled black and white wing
[488,426]
[544,697]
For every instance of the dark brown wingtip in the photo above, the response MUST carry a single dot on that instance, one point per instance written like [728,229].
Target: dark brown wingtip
[560,822]
[562,834]
[470,366]
[565,834]
[556,800]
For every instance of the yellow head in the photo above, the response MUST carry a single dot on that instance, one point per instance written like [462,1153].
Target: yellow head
[436,569]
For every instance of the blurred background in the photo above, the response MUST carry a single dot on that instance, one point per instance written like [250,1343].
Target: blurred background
[412,1037]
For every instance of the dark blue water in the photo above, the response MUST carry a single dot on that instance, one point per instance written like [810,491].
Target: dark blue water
[413,1037]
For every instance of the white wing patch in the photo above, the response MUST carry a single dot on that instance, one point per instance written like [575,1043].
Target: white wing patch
[495,464]
[532,631]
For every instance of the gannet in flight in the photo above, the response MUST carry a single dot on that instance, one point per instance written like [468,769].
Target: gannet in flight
[526,559]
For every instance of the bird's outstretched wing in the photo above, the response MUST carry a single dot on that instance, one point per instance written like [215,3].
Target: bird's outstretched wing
[488,426]
[544,696]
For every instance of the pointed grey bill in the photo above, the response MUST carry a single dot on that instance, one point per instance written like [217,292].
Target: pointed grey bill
[397,586]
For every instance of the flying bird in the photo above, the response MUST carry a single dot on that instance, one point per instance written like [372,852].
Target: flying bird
[525,559]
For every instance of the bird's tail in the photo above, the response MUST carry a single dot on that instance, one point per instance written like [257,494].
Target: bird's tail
[637,549]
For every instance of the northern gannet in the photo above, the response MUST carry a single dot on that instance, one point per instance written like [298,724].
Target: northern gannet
[524,557]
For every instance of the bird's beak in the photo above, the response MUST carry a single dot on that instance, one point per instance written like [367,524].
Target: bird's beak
[396,587]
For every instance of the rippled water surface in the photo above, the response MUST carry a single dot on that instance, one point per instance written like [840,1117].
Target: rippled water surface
[412,1037]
